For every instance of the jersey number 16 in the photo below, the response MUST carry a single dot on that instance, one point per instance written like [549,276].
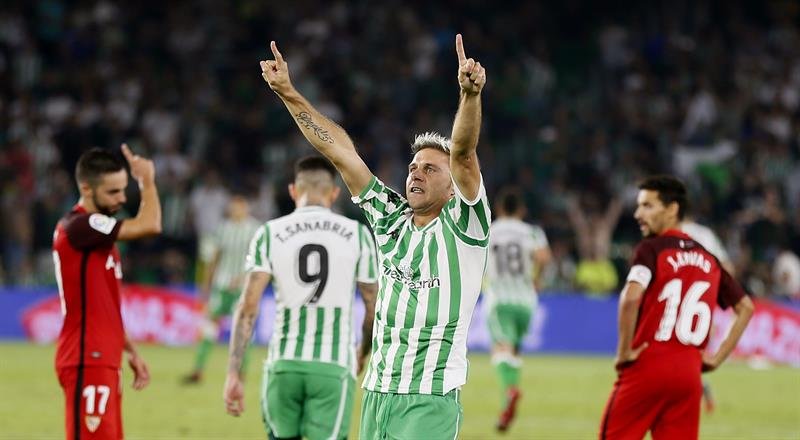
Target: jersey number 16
[679,315]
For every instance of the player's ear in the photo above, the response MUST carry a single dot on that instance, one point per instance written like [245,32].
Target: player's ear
[85,189]
[673,209]
[335,193]
[293,192]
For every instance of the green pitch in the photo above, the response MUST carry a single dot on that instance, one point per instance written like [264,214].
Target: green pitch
[563,398]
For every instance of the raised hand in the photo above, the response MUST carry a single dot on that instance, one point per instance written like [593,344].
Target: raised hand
[471,75]
[143,170]
[276,72]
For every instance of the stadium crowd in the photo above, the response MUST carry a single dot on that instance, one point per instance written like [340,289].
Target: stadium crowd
[580,103]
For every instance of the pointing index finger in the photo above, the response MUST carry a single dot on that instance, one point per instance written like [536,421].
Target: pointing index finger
[275,52]
[126,152]
[460,49]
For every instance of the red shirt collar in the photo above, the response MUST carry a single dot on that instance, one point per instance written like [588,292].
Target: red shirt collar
[674,233]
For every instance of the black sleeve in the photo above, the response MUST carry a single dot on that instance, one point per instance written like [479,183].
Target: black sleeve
[88,231]
[730,292]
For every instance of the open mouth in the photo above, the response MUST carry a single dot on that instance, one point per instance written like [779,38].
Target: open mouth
[416,190]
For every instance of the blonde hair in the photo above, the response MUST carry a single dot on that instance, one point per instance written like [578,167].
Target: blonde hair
[430,139]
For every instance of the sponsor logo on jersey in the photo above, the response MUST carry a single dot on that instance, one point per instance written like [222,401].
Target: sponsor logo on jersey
[92,423]
[405,274]
[102,223]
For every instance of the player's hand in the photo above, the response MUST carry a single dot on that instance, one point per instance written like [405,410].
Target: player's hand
[471,75]
[141,374]
[710,363]
[624,359]
[276,72]
[233,395]
[143,170]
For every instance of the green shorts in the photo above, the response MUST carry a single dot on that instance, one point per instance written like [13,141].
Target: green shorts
[508,323]
[309,399]
[410,416]
[221,302]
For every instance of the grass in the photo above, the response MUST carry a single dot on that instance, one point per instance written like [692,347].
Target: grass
[563,398]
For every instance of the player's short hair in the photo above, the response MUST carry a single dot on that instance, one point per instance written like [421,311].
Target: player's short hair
[96,162]
[431,139]
[509,200]
[670,189]
[314,163]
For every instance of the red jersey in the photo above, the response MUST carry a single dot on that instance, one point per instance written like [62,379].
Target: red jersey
[88,272]
[683,283]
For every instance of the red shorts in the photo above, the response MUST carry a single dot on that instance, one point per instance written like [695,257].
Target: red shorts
[660,392]
[93,411]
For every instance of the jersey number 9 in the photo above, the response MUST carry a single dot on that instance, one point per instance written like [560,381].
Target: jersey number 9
[320,275]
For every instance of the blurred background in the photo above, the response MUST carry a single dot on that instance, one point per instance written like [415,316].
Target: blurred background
[583,99]
[580,103]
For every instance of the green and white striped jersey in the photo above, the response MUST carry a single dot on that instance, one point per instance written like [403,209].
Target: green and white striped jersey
[509,273]
[315,258]
[429,282]
[232,239]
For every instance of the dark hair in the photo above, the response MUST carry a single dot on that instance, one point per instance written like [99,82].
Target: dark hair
[510,200]
[94,163]
[314,163]
[670,189]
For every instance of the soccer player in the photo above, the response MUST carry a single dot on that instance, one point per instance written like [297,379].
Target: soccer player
[224,277]
[664,320]
[518,252]
[432,247]
[88,271]
[709,240]
[314,258]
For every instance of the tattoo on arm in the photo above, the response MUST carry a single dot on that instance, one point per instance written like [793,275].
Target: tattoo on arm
[304,119]
[242,332]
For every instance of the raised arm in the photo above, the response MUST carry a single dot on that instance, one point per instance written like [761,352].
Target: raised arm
[325,135]
[148,219]
[467,124]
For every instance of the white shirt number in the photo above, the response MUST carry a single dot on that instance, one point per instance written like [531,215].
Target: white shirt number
[679,315]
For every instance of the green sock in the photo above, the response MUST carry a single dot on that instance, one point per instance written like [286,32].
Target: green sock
[509,374]
[203,350]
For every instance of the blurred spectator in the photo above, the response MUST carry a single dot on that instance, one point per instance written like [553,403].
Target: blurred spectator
[582,99]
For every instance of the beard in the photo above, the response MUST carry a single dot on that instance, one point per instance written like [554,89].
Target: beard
[104,209]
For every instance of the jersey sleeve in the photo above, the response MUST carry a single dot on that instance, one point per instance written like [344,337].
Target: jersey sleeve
[730,292]
[469,219]
[257,259]
[89,231]
[538,238]
[643,264]
[380,203]
[367,269]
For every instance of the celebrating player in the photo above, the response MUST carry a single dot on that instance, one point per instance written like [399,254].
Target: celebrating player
[433,249]
[664,320]
[314,258]
[224,277]
[518,252]
[88,272]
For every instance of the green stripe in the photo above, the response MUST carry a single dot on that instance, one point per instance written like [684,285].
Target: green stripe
[455,303]
[301,333]
[284,330]
[318,334]
[382,225]
[337,318]
[463,237]
[430,319]
[266,235]
[257,251]
[463,219]
[397,287]
[411,311]
[480,212]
